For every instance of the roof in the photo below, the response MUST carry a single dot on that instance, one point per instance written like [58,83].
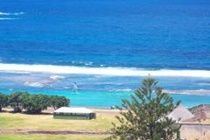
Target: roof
[73,110]
[180,114]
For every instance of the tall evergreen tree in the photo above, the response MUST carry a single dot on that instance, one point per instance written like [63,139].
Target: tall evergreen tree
[145,117]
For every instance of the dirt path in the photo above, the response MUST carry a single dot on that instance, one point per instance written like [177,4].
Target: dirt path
[50,132]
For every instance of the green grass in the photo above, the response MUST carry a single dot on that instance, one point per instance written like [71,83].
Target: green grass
[103,122]
[46,122]
[50,137]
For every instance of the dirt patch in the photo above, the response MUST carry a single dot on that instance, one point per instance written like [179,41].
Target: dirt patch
[51,132]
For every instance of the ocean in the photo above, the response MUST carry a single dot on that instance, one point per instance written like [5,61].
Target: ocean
[96,52]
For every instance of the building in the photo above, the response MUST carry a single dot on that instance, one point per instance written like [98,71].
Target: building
[181,114]
[74,113]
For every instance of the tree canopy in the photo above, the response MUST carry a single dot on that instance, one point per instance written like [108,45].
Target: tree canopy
[16,100]
[146,113]
[3,100]
[31,103]
[58,101]
[35,103]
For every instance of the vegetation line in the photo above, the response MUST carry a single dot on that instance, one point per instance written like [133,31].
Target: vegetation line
[31,103]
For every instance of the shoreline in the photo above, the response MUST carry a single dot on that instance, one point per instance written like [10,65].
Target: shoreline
[82,99]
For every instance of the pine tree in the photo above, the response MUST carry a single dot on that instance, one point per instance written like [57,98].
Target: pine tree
[144,116]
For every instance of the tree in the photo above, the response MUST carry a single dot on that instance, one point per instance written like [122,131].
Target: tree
[146,113]
[58,101]
[32,103]
[3,101]
[35,103]
[16,100]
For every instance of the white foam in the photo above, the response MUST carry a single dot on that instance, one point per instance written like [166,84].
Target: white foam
[110,71]
[33,84]
[6,18]
[56,77]
[190,92]
[123,90]
[11,14]
[43,82]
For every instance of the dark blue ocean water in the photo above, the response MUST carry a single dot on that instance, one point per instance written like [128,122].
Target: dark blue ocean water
[147,34]
[127,33]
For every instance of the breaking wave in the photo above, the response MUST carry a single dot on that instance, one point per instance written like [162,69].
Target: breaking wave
[6,18]
[11,14]
[122,90]
[190,92]
[44,82]
[109,71]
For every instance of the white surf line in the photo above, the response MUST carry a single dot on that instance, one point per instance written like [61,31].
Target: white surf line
[189,91]
[7,18]
[11,14]
[110,71]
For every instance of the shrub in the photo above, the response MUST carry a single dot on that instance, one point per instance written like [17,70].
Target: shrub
[58,101]
[32,103]
[16,100]
[35,103]
[3,101]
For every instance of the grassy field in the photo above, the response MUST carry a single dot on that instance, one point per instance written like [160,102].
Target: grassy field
[46,122]
[10,121]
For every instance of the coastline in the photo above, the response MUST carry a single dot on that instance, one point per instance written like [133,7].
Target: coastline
[97,84]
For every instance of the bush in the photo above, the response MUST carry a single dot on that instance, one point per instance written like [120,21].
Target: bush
[32,103]
[58,101]
[16,100]
[35,103]
[3,101]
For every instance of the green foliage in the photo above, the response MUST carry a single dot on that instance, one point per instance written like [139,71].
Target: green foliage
[58,101]
[31,103]
[3,101]
[16,100]
[35,103]
[146,115]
